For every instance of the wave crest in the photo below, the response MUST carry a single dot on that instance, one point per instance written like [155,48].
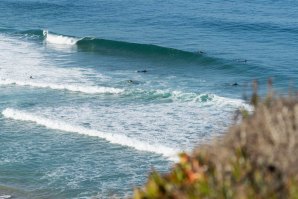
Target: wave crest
[59,39]
[114,47]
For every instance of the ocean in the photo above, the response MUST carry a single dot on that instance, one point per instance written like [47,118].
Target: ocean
[96,94]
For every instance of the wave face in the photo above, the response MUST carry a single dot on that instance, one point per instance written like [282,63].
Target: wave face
[146,52]
[122,48]
[113,138]
[105,45]
[126,48]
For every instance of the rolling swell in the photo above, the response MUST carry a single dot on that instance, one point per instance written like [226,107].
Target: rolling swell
[127,49]
[164,55]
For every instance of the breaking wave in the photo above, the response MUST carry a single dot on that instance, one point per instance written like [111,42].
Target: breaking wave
[59,39]
[123,48]
[110,137]
[179,96]
[147,95]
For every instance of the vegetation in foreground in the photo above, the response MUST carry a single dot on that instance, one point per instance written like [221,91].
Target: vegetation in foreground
[257,158]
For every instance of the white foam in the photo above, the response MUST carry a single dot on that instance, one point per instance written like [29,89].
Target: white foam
[206,99]
[203,99]
[210,100]
[19,60]
[59,39]
[111,137]
[74,88]
[224,101]
[5,196]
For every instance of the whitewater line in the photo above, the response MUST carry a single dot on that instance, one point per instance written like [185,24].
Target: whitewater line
[74,88]
[110,137]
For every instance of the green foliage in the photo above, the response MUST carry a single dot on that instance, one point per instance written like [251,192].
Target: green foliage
[255,159]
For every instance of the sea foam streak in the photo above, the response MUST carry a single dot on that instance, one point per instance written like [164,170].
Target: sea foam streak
[112,138]
[5,197]
[59,39]
[74,88]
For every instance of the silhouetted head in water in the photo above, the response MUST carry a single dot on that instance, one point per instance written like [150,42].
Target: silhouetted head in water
[235,84]
[132,81]
[142,71]
[201,52]
[241,60]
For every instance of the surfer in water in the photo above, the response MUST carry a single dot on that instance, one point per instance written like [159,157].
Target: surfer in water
[142,71]
[132,82]
[200,52]
[241,60]
[45,33]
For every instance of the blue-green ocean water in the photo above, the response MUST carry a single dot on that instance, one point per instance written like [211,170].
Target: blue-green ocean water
[80,118]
